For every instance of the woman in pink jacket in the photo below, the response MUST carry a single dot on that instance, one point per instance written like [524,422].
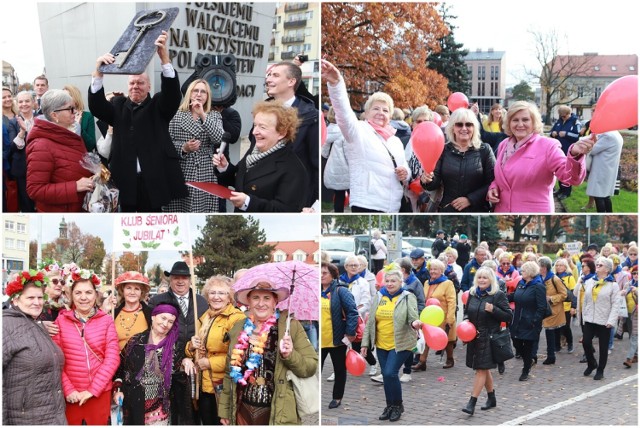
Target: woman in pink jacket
[88,339]
[528,164]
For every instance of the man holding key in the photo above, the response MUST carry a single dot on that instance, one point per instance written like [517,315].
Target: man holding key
[144,163]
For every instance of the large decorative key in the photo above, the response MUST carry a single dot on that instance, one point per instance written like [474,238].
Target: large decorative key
[144,29]
[143,24]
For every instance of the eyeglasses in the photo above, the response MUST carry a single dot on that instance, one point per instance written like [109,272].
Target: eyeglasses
[352,265]
[199,91]
[218,293]
[71,109]
[600,265]
[55,281]
[466,124]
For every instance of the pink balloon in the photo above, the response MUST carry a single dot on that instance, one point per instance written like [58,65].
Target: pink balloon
[323,130]
[433,301]
[617,106]
[466,331]
[380,278]
[465,297]
[437,119]
[457,100]
[428,142]
[435,337]
[355,363]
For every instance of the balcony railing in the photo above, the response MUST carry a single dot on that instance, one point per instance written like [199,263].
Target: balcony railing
[292,39]
[295,24]
[292,7]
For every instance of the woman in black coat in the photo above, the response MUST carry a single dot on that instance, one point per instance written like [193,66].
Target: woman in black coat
[270,178]
[530,300]
[465,168]
[486,308]
[339,320]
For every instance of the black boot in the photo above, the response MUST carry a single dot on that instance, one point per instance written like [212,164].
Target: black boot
[385,413]
[491,401]
[395,412]
[471,406]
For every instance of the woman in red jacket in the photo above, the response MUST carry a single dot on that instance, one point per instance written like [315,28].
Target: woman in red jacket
[55,180]
[88,339]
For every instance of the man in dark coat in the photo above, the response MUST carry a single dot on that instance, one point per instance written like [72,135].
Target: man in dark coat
[282,81]
[439,245]
[142,151]
[180,294]
[567,131]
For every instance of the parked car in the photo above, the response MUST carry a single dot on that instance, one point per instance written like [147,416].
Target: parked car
[422,242]
[338,248]
[363,246]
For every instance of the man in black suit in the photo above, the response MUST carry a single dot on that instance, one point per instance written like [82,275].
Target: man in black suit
[181,295]
[144,163]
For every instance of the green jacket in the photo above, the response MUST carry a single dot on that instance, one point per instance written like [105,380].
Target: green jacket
[303,362]
[405,312]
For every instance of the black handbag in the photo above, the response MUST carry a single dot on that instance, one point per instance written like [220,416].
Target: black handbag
[548,311]
[501,349]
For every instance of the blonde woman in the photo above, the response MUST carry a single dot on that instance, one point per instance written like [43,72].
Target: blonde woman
[563,271]
[86,123]
[196,132]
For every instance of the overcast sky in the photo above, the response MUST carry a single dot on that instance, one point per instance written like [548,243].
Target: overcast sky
[603,27]
[278,227]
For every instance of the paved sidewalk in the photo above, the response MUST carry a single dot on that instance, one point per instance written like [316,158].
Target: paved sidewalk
[554,395]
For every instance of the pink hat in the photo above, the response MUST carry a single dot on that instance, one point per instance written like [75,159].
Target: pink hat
[132,277]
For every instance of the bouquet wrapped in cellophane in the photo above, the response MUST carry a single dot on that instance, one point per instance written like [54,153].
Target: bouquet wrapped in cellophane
[104,197]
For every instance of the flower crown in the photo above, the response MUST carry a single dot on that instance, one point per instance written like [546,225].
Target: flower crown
[15,287]
[86,274]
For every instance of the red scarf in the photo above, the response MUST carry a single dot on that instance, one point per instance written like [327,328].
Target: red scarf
[385,132]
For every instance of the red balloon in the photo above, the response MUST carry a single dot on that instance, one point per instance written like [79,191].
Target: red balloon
[355,363]
[380,278]
[416,187]
[457,100]
[465,297]
[428,142]
[435,337]
[437,119]
[512,283]
[323,130]
[617,106]
[433,301]
[466,331]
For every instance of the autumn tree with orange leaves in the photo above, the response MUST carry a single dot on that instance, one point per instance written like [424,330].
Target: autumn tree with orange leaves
[385,46]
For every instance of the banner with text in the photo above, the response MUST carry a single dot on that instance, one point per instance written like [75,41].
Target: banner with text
[149,232]
[573,247]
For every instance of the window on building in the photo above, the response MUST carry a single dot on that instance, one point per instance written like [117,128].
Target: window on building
[598,92]
[497,72]
[580,91]
[316,66]
[481,72]
[21,228]
[596,68]
[279,257]
[9,243]
[316,257]
[21,244]
[470,72]
[14,265]
[614,68]
[493,75]
[307,47]
[309,14]
[299,257]
[482,92]
[9,226]
[478,92]
[632,68]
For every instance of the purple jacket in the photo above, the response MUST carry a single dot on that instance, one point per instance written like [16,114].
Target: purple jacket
[526,180]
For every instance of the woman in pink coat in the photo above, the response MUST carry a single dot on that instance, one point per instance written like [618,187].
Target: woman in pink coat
[528,164]
[88,339]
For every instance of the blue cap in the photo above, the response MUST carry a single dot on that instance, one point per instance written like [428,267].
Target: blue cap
[463,236]
[416,253]
[439,231]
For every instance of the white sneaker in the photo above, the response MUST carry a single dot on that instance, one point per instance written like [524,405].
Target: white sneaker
[331,378]
[373,370]
[609,352]
[406,377]
[377,378]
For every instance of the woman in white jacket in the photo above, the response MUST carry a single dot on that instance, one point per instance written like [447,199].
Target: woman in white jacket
[378,169]
[599,312]
[336,171]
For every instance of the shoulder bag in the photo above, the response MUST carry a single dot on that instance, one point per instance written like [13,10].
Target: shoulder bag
[306,393]
[501,349]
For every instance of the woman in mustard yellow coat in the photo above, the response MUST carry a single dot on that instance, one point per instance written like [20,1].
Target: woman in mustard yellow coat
[441,288]
[209,347]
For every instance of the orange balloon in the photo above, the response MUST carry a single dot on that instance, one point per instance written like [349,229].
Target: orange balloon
[617,106]
[427,140]
[355,363]
[457,100]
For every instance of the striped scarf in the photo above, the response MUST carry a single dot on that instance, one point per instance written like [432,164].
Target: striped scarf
[256,154]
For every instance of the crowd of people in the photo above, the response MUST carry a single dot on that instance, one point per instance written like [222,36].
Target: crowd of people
[502,163]
[517,294]
[153,144]
[71,354]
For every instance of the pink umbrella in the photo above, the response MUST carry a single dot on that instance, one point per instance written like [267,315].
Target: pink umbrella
[302,280]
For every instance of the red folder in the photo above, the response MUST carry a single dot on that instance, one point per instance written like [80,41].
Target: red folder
[211,188]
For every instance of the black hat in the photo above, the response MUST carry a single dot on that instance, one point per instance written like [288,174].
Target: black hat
[592,247]
[179,268]
[439,231]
